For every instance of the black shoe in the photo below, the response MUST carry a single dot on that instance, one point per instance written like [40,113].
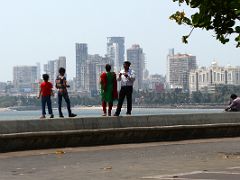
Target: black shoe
[52,116]
[128,114]
[116,114]
[61,116]
[72,115]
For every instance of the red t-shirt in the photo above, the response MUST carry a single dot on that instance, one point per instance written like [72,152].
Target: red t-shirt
[46,88]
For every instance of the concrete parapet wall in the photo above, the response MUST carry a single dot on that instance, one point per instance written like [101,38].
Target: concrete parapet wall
[71,132]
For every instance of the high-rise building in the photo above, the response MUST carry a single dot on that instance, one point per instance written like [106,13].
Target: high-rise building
[24,78]
[60,62]
[116,51]
[205,79]
[178,69]
[50,70]
[136,56]
[81,60]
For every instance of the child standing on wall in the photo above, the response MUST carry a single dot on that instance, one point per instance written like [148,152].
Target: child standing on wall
[45,94]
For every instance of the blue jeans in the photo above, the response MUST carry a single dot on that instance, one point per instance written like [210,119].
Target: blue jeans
[67,100]
[46,100]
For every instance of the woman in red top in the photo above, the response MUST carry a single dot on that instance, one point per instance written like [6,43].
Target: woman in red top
[45,93]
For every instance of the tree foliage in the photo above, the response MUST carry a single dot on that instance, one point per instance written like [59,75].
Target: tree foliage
[220,16]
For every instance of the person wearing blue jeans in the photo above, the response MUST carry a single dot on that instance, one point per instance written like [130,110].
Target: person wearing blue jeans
[67,100]
[47,100]
[61,85]
[45,93]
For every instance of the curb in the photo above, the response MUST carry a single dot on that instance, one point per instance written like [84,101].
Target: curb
[91,137]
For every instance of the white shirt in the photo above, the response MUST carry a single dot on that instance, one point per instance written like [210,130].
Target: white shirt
[129,80]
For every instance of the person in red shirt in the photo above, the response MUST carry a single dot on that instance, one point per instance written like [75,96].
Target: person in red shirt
[45,94]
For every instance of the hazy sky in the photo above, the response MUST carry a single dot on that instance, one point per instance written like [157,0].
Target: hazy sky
[37,31]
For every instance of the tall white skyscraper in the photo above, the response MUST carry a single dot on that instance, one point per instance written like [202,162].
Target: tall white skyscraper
[136,56]
[116,51]
[81,63]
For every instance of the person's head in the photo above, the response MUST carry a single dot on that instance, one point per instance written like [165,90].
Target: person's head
[108,67]
[45,77]
[126,65]
[62,71]
[233,96]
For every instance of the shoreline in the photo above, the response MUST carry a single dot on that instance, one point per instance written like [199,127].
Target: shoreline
[200,106]
[5,109]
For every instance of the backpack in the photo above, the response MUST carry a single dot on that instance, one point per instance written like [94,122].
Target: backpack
[60,82]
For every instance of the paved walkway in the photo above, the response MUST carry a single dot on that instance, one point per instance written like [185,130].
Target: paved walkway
[199,159]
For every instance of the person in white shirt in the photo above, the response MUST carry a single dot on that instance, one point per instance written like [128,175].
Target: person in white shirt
[127,78]
[234,104]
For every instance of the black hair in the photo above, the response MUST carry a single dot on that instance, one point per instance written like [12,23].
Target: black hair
[61,70]
[108,67]
[45,77]
[233,96]
[127,63]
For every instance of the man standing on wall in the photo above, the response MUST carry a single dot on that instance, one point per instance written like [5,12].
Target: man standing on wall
[127,78]
[61,85]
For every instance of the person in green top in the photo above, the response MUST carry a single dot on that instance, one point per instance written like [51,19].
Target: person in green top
[109,93]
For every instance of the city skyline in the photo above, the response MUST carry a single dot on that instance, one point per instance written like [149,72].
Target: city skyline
[40,31]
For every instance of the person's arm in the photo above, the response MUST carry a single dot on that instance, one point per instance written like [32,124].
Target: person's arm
[103,81]
[119,78]
[231,105]
[132,76]
[66,83]
[40,93]
[52,91]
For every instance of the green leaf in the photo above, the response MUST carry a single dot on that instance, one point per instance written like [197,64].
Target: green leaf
[237,38]
[195,19]
[195,3]
[237,29]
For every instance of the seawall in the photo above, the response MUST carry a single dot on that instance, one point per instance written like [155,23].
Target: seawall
[89,131]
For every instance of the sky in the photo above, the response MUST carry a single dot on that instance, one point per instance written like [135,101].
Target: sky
[38,31]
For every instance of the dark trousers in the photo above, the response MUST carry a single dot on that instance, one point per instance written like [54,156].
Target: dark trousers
[46,100]
[67,100]
[125,91]
[104,105]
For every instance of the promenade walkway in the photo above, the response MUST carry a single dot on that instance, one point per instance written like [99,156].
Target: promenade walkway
[210,159]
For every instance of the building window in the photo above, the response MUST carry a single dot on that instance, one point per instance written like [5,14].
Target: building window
[200,78]
[229,76]
[218,77]
[221,77]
